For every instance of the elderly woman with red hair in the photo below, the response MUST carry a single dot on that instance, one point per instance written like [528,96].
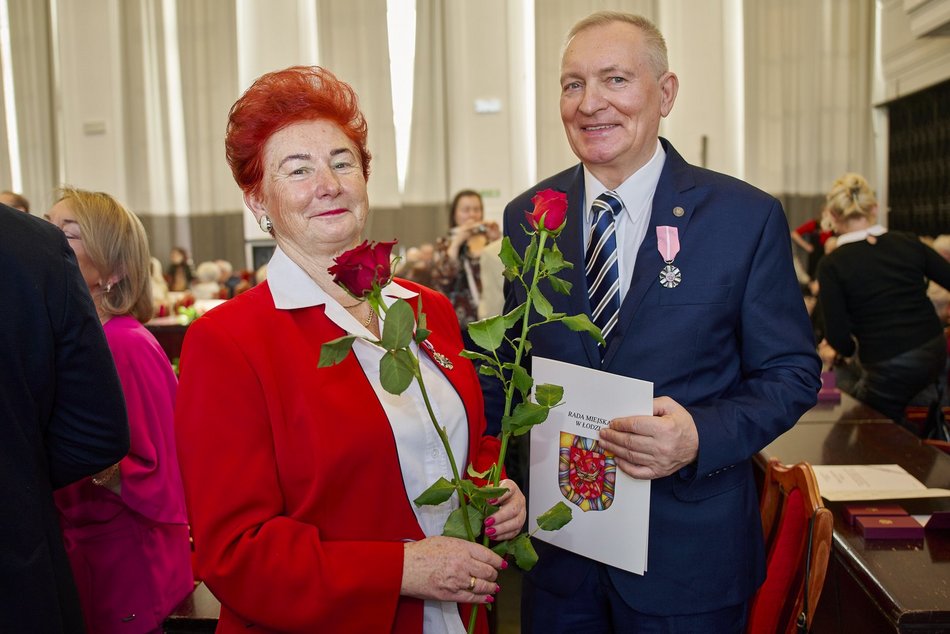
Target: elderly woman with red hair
[300,482]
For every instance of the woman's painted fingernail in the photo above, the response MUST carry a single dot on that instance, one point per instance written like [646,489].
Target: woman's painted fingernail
[497,589]
[489,521]
[504,564]
[489,531]
[489,599]
[493,501]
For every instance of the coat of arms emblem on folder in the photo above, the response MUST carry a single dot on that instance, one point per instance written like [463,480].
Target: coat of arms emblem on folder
[586,474]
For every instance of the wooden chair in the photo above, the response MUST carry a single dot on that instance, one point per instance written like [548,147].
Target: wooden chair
[942,445]
[792,512]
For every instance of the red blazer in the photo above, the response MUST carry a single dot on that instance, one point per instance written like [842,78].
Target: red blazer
[291,475]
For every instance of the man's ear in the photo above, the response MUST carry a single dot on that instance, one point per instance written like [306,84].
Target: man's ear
[669,86]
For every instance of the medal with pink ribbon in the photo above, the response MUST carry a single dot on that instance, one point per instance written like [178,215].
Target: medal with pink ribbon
[668,244]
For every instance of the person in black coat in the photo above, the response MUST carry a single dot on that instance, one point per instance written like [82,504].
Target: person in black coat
[881,330]
[62,417]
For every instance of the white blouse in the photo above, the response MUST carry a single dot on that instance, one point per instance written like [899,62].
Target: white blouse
[422,457]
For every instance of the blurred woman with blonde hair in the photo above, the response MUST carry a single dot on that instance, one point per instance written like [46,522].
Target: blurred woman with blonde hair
[125,528]
[873,289]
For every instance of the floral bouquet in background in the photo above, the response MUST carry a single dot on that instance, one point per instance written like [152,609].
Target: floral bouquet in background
[366,269]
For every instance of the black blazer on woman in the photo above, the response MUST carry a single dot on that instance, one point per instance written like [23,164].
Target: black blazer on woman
[62,417]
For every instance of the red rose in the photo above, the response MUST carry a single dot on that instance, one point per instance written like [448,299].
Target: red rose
[550,207]
[359,268]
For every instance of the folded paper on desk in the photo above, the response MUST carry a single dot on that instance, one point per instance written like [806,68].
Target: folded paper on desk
[871,482]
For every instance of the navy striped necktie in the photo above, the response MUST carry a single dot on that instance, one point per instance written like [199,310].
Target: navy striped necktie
[602,268]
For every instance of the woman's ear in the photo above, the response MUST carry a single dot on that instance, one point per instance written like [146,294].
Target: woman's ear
[255,204]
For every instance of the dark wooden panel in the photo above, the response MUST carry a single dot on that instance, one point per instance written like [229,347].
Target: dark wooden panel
[919,161]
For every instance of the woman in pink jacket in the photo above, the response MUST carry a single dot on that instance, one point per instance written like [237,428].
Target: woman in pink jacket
[125,528]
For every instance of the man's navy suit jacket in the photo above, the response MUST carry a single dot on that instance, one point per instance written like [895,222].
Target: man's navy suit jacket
[732,343]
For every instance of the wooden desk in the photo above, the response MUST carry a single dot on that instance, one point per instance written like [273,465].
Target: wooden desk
[848,408]
[170,333]
[877,586]
[199,612]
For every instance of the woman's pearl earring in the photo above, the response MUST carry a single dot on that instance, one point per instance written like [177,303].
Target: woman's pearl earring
[265,223]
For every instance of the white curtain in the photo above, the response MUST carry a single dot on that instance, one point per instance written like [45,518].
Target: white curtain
[426,177]
[179,77]
[32,77]
[354,44]
[808,78]
[207,40]
[553,20]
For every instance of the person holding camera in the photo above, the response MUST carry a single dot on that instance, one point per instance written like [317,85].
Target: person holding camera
[456,271]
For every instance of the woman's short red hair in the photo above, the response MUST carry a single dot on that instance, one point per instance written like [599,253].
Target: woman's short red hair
[279,99]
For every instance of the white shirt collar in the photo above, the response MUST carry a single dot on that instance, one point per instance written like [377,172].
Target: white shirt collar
[291,287]
[635,191]
[861,234]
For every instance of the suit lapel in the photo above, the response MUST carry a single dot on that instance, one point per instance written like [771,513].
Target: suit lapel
[674,189]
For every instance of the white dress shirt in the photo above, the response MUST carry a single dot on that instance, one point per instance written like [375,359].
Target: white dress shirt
[631,223]
[422,457]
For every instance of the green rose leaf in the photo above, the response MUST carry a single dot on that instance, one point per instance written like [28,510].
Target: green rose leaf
[548,395]
[531,253]
[514,316]
[554,261]
[489,333]
[455,525]
[468,487]
[560,286]
[541,303]
[523,550]
[488,370]
[555,517]
[488,492]
[421,316]
[501,548]
[521,379]
[332,352]
[476,356]
[582,323]
[470,470]
[509,257]
[422,334]
[436,494]
[397,329]
[525,416]
[397,368]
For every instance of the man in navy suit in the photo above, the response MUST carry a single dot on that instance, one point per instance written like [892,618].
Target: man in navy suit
[722,334]
[62,417]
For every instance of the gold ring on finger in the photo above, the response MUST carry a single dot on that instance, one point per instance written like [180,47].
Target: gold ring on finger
[471,583]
